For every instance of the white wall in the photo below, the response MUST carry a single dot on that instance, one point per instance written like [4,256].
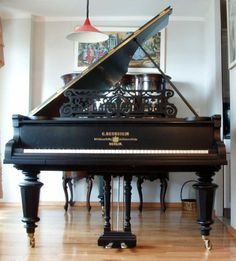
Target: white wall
[14,91]
[52,56]
[233,144]
[213,78]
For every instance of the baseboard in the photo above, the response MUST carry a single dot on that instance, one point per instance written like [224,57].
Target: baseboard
[231,230]
[9,205]
[227,212]
[97,204]
[59,204]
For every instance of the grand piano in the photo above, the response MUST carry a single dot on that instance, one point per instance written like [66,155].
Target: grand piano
[105,124]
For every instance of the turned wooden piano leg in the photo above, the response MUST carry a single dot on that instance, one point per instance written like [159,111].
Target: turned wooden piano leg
[139,188]
[30,191]
[205,195]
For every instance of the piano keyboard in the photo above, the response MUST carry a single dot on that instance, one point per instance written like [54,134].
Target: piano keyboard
[112,151]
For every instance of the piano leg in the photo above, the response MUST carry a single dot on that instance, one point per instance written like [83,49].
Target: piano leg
[30,191]
[205,201]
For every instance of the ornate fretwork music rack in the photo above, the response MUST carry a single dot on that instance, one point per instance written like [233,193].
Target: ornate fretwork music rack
[119,101]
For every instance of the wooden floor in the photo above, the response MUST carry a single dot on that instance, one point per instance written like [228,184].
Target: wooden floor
[173,235]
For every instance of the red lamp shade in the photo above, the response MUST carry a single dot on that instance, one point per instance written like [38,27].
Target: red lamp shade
[87,34]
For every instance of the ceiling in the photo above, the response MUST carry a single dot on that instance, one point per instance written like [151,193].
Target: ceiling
[102,8]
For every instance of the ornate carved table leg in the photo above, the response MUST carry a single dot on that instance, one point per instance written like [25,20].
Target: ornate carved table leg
[70,185]
[163,193]
[205,200]
[89,181]
[30,191]
[64,185]
[139,187]
[101,192]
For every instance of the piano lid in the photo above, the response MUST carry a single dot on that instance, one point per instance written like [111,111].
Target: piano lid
[108,70]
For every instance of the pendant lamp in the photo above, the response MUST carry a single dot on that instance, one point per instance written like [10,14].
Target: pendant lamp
[87,33]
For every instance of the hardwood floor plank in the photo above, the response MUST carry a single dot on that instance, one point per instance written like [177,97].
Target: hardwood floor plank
[173,235]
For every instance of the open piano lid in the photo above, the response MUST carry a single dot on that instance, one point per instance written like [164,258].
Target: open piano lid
[108,70]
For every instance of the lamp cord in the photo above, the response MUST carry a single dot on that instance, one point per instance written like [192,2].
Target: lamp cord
[87,8]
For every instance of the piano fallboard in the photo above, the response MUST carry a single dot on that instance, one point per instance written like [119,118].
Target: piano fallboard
[96,144]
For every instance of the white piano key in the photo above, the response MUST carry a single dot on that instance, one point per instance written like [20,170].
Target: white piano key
[112,151]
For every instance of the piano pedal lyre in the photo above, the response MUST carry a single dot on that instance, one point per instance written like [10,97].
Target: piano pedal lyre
[123,245]
[207,242]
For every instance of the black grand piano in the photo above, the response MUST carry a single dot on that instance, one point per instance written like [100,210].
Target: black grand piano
[105,123]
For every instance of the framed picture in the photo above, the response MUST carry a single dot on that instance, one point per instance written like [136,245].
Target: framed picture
[231,15]
[87,54]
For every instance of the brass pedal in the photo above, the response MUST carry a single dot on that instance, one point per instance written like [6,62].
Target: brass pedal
[123,245]
[109,245]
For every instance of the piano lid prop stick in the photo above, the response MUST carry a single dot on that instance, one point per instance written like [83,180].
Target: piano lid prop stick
[167,79]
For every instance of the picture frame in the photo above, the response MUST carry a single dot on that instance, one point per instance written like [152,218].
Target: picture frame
[231,22]
[86,54]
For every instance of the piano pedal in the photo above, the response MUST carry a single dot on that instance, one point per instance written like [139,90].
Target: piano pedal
[117,239]
[123,245]
[108,246]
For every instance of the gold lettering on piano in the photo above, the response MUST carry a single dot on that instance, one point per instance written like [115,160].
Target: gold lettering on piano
[115,133]
[115,138]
